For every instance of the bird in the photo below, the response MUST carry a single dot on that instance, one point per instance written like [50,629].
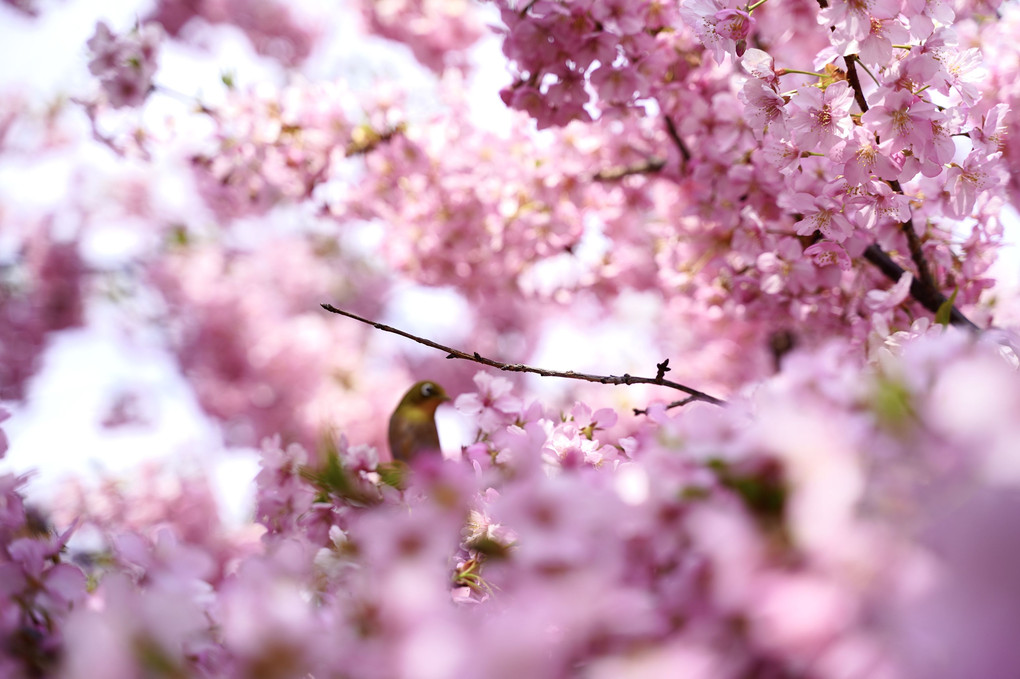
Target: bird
[413,423]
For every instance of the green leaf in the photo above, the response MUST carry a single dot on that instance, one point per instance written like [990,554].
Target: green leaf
[333,479]
[393,473]
[891,401]
[944,314]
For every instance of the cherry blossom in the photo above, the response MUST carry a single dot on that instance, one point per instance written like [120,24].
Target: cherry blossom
[820,119]
[125,65]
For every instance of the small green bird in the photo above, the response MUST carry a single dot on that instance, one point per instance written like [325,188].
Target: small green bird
[413,423]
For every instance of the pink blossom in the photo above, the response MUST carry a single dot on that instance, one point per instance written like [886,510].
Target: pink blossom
[819,119]
[879,300]
[766,106]
[826,253]
[716,26]
[437,33]
[923,15]
[864,158]
[852,16]
[967,181]
[734,24]
[618,16]
[616,85]
[902,120]
[785,269]
[760,65]
[273,29]
[823,214]
[882,203]
[801,528]
[991,133]
[125,65]
[961,73]
[493,404]
[877,47]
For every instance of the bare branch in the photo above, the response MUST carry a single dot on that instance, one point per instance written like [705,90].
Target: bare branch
[674,404]
[475,357]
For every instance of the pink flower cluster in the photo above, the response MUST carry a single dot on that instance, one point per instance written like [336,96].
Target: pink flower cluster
[38,588]
[620,50]
[45,294]
[271,146]
[125,64]
[271,26]
[261,357]
[545,39]
[472,209]
[438,32]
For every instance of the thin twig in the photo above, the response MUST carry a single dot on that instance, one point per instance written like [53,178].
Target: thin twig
[674,404]
[521,368]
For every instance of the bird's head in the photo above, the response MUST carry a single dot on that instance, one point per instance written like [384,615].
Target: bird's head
[422,399]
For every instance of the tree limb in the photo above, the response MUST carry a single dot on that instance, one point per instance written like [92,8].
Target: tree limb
[929,297]
[475,357]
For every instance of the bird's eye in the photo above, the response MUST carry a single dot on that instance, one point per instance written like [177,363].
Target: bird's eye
[428,389]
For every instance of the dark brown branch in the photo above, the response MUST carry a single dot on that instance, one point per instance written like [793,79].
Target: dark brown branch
[675,136]
[855,82]
[928,296]
[520,368]
[649,166]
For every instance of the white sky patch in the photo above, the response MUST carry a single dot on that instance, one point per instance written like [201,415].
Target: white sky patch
[59,431]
